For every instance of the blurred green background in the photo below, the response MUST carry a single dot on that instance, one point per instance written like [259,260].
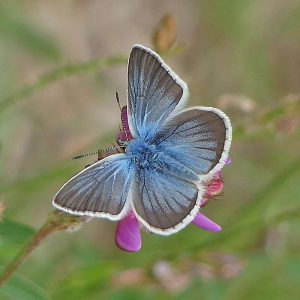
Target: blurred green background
[61,63]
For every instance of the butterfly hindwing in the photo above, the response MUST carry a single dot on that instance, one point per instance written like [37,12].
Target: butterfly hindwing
[199,138]
[100,190]
[163,202]
[166,196]
[154,91]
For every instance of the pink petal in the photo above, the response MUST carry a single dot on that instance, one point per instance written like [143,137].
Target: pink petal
[204,202]
[124,117]
[218,175]
[205,223]
[215,187]
[228,161]
[128,236]
[125,134]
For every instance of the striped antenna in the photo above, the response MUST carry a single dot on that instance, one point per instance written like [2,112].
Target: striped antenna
[96,152]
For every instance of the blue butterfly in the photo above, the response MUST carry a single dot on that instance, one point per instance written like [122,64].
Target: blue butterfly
[162,175]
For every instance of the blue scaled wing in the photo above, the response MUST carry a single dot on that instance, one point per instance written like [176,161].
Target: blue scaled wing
[100,190]
[166,197]
[164,203]
[199,138]
[154,91]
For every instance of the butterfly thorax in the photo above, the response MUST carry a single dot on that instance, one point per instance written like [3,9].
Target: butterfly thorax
[144,155]
[149,156]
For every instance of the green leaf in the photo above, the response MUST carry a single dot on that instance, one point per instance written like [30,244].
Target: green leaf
[19,287]
[15,232]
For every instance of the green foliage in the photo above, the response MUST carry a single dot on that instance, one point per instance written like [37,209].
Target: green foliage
[19,287]
[15,232]
[13,235]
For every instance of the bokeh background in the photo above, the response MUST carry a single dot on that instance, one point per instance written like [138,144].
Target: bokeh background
[61,63]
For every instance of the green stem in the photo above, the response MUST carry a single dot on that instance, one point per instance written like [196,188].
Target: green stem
[65,71]
[57,221]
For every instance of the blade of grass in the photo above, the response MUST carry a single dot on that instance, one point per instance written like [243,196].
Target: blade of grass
[62,72]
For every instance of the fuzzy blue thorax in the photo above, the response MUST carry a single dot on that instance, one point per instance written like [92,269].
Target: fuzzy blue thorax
[151,157]
[145,155]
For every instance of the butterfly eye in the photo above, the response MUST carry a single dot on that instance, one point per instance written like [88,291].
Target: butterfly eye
[123,138]
[122,143]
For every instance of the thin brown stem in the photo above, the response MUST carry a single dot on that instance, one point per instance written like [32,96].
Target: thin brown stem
[57,221]
[59,73]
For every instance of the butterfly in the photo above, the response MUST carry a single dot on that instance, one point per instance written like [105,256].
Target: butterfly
[174,152]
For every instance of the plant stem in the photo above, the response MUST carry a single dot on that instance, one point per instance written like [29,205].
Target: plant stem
[57,74]
[57,221]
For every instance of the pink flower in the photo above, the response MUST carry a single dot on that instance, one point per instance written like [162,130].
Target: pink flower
[214,188]
[205,223]
[128,236]
[125,134]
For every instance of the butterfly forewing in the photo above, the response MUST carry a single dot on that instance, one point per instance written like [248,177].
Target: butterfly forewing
[154,91]
[99,190]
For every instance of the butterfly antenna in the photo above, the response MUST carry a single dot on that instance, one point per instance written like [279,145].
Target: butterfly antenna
[118,101]
[96,152]
[122,119]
